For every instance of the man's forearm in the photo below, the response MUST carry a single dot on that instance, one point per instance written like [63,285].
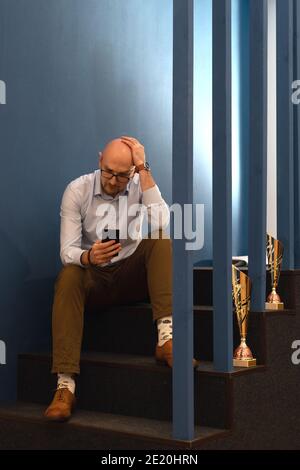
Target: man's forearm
[146,180]
[158,210]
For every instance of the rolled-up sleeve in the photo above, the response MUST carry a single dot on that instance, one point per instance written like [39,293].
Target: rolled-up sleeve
[70,228]
[157,209]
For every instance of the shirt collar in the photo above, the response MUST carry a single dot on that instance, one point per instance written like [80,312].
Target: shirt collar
[98,188]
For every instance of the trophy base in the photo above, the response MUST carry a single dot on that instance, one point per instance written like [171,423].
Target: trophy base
[244,362]
[274,306]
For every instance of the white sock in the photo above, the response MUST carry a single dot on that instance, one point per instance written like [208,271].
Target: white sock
[164,327]
[66,381]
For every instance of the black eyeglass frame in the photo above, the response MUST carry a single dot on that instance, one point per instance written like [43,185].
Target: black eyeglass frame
[117,175]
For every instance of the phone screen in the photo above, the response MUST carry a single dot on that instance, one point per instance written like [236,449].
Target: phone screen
[111,234]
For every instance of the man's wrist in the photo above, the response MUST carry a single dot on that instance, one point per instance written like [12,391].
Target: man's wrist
[142,166]
[84,259]
[89,257]
[146,180]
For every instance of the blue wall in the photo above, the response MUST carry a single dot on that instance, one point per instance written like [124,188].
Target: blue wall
[78,73]
[240,105]
[203,119]
[203,123]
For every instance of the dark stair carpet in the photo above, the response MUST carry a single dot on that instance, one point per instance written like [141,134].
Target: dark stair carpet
[90,430]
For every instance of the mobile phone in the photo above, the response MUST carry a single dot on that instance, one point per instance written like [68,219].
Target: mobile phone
[111,234]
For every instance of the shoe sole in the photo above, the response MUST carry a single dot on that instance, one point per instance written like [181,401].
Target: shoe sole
[56,420]
[163,362]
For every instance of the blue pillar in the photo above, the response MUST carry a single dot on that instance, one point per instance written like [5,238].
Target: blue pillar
[258,152]
[296,108]
[222,197]
[183,383]
[285,160]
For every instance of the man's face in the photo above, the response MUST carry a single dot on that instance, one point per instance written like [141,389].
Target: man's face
[113,185]
[116,158]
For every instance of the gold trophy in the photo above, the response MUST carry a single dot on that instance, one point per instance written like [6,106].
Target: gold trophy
[241,287]
[275,255]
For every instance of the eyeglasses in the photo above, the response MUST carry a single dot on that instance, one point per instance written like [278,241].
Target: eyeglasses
[107,174]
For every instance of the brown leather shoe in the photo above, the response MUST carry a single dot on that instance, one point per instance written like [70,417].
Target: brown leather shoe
[164,354]
[61,406]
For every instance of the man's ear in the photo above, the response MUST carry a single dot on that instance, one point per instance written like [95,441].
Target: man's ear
[100,156]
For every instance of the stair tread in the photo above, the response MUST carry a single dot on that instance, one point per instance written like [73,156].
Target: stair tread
[199,308]
[130,425]
[285,311]
[139,361]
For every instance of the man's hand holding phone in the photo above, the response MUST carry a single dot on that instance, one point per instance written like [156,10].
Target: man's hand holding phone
[104,251]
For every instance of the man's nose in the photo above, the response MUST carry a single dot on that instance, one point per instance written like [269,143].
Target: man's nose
[113,180]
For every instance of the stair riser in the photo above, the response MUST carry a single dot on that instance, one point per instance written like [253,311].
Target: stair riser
[288,288]
[126,390]
[136,333]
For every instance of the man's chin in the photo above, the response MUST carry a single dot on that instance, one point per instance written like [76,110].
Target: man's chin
[112,191]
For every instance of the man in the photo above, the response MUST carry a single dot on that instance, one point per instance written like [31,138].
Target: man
[107,271]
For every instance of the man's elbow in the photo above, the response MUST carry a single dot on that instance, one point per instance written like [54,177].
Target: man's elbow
[164,224]
[65,259]
[160,220]
[165,219]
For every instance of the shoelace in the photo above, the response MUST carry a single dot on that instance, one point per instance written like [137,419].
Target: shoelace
[61,396]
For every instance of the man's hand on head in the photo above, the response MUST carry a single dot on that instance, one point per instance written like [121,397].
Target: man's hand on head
[137,149]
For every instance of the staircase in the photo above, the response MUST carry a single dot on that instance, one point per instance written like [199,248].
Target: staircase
[125,398]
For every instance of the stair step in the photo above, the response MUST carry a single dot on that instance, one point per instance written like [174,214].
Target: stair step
[288,287]
[130,385]
[130,329]
[22,426]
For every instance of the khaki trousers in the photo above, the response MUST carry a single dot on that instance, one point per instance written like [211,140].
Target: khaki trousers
[146,274]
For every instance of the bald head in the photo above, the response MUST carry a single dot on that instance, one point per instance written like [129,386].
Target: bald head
[117,156]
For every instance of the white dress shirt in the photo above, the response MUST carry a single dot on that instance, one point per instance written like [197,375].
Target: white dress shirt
[86,209]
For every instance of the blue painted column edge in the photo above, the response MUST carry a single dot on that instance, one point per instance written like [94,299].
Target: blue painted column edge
[258,152]
[182,181]
[222,192]
[285,157]
[296,115]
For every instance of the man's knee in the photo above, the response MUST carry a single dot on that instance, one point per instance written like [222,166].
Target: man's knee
[159,234]
[160,240]
[70,275]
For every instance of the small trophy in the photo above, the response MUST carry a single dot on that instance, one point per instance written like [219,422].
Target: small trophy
[275,255]
[241,287]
